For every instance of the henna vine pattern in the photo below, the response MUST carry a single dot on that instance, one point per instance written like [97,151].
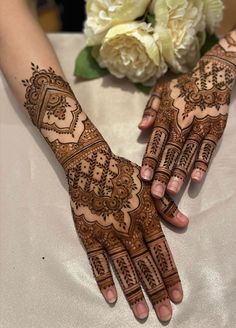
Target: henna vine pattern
[112,208]
[191,115]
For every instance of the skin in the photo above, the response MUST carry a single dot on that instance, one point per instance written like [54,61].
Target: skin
[114,214]
[188,116]
[112,208]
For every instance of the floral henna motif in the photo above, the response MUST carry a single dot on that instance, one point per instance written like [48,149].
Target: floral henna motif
[104,185]
[49,101]
[192,116]
[156,270]
[194,88]
[112,208]
[57,105]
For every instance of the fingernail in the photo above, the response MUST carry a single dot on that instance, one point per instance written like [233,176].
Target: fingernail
[147,173]
[163,312]
[197,175]
[173,186]
[182,218]
[110,296]
[158,190]
[141,311]
[176,295]
[145,121]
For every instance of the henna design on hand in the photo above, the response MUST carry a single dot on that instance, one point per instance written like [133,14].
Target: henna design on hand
[190,117]
[107,195]
[112,208]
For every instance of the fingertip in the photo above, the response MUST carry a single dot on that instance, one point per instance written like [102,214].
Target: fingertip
[197,175]
[176,293]
[110,294]
[146,173]
[142,126]
[140,310]
[179,220]
[146,122]
[182,219]
[158,189]
[164,310]
[174,186]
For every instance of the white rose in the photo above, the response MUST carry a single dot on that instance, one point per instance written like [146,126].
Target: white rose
[180,31]
[103,14]
[213,10]
[129,50]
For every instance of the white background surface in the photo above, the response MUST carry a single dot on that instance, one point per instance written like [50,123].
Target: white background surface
[59,291]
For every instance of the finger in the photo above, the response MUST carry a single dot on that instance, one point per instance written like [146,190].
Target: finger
[127,276]
[169,212]
[154,149]
[168,160]
[149,275]
[207,148]
[152,283]
[164,260]
[163,172]
[162,256]
[97,258]
[183,166]
[187,157]
[203,159]
[197,175]
[101,271]
[151,109]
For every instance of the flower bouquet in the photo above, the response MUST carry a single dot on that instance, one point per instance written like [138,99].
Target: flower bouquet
[142,39]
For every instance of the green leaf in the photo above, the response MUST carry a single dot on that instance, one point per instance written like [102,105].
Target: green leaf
[87,67]
[151,19]
[144,88]
[211,40]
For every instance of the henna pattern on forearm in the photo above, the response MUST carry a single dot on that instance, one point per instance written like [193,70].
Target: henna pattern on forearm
[112,208]
[192,115]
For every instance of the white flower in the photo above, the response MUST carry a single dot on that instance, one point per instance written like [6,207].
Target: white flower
[213,10]
[103,14]
[129,50]
[180,31]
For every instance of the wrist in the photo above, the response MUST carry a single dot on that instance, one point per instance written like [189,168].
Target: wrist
[55,111]
[72,153]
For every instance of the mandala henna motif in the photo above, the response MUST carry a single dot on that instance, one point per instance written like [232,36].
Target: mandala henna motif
[112,208]
[50,100]
[192,115]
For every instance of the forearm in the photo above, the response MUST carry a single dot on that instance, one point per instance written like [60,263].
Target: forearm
[22,42]
[34,74]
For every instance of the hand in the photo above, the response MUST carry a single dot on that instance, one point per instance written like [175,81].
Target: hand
[113,211]
[188,115]
[115,218]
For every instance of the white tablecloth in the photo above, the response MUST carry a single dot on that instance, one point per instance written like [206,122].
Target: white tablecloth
[45,278]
